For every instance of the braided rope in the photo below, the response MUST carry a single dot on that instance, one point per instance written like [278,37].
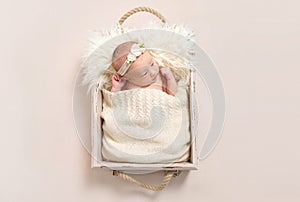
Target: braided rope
[141,9]
[169,174]
[164,183]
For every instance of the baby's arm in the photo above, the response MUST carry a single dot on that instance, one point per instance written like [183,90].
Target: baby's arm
[117,83]
[171,83]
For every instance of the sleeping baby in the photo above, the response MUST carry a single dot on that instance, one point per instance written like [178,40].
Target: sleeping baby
[136,68]
[149,124]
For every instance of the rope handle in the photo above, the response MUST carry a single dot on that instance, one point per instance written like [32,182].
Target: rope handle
[164,183]
[168,174]
[141,9]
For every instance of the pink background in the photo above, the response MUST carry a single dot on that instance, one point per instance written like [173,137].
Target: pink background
[255,45]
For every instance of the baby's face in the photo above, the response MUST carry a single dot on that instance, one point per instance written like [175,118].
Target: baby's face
[143,71]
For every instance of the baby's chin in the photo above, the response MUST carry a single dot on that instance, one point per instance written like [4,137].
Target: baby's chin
[146,84]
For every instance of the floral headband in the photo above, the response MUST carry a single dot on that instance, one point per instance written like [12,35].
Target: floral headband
[135,51]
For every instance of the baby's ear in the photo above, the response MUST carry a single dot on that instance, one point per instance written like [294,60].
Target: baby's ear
[116,77]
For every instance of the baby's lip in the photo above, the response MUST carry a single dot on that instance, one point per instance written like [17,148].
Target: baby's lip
[155,77]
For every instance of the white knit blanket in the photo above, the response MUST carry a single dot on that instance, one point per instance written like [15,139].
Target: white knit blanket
[145,126]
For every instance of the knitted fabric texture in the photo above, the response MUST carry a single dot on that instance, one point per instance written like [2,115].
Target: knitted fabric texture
[145,126]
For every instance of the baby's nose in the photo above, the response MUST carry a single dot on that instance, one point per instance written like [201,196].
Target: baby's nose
[152,71]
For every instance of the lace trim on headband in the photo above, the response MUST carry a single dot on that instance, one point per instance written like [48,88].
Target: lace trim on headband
[135,51]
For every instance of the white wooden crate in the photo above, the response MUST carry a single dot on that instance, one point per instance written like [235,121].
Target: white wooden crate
[96,137]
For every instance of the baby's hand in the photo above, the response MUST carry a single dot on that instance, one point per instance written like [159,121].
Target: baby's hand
[166,72]
[117,82]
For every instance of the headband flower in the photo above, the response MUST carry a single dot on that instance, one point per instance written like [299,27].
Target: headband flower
[135,51]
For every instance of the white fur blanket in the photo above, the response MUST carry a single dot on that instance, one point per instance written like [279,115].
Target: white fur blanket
[145,126]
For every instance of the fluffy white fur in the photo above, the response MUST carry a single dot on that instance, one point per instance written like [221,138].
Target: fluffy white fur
[101,44]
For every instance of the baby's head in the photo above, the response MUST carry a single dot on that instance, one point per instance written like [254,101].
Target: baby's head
[135,64]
